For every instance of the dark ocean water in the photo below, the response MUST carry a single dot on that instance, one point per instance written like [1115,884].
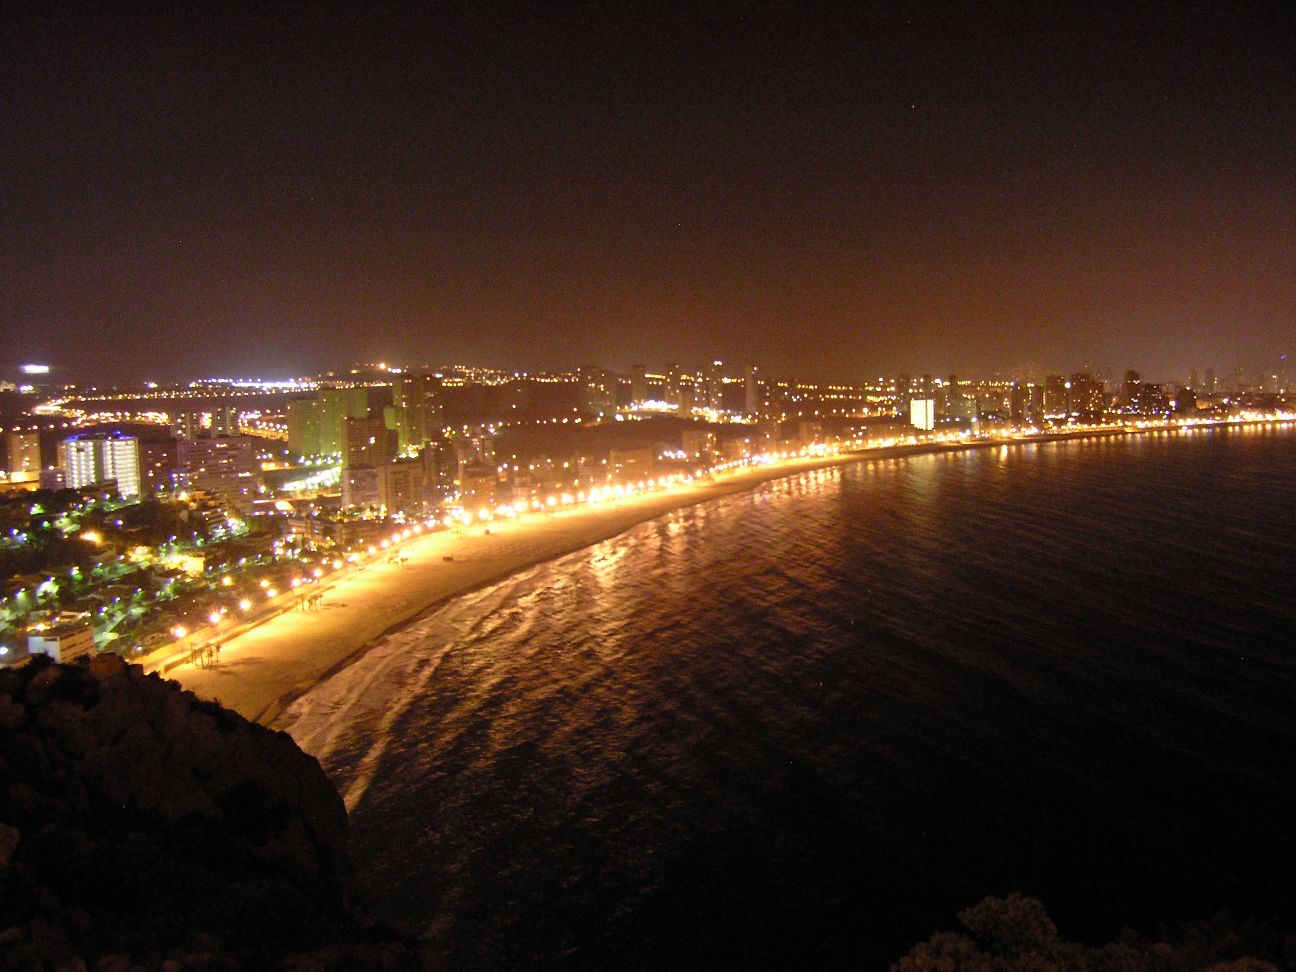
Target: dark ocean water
[806,724]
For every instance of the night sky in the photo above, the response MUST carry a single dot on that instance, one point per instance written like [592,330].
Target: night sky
[270,193]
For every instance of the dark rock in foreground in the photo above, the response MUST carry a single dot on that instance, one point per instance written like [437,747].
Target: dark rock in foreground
[143,828]
[1016,934]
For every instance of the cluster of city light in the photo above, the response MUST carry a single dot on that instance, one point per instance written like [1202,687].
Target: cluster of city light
[257,384]
[548,504]
[1241,418]
[147,417]
[58,407]
[265,427]
[314,480]
[154,392]
[570,499]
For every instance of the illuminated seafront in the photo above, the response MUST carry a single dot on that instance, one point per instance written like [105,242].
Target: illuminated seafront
[274,660]
[263,668]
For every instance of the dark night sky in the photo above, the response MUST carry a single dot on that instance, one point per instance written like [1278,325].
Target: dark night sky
[220,192]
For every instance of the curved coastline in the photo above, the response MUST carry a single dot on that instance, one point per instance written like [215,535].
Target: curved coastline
[263,670]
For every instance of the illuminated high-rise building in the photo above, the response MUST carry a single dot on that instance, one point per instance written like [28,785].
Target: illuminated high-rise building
[157,464]
[403,486]
[415,410]
[1130,388]
[1087,400]
[1018,396]
[902,393]
[88,460]
[24,455]
[1057,398]
[191,423]
[225,421]
[368,442]
[187,424]
[441,465]
[598,390]
[674,392]
[304,427]
[638,384]
[336,405]
[954,404]
[922,413]
[715,385]
[225,466]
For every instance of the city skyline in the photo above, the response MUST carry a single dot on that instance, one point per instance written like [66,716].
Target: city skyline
[541,485]
[1272,374]
[216,192]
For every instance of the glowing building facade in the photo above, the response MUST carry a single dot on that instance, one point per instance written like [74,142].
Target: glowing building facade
[88,460]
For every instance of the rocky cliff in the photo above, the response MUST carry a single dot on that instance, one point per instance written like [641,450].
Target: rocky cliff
[141,828]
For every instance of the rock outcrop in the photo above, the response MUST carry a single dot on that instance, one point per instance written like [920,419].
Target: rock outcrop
[142,828]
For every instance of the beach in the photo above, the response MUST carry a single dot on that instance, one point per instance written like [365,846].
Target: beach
[261,670]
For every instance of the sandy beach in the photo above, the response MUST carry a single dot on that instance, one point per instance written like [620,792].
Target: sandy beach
[266,667]
[261,670]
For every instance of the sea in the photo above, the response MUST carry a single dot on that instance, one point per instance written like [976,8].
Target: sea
[805,725]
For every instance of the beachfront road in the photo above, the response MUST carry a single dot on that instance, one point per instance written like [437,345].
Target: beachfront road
[264,667]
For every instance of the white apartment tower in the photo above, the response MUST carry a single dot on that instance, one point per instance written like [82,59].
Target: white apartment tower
[90,459]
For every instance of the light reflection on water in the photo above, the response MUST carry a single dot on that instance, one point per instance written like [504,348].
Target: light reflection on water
[808,723]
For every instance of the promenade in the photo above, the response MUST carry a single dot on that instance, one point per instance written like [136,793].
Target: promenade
[265,667]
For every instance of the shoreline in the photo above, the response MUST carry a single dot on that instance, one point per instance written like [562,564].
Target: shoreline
[547,537]
[264,669]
